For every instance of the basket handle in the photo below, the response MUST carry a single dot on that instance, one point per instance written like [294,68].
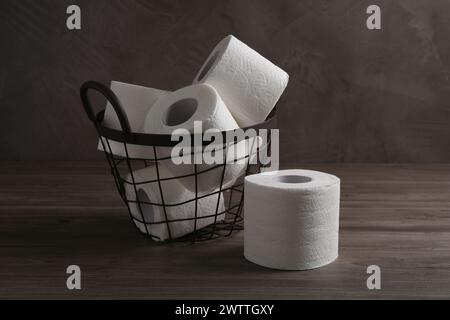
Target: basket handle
[110,97]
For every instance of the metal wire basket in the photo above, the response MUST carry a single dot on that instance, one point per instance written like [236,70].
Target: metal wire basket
[223,213]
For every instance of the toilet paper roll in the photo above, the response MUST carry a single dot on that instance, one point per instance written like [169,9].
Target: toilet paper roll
[249,84]
[291,219]
[136,102]
[173,193]
[180,109]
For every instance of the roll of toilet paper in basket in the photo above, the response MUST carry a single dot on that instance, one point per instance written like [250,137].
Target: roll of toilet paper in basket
[182,109]
[291,219]
[174,193]
[249,84]
[136,102]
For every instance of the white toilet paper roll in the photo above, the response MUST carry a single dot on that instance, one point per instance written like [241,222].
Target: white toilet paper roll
[291,219]
[180,109]
[173,193]
[249,84]
[136,102]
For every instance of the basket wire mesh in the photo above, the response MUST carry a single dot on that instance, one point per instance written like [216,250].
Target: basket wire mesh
[226,213]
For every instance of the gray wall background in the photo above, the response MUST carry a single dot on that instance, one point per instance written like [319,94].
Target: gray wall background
[354,95]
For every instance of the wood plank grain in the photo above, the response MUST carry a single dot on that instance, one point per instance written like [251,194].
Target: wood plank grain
[60,213]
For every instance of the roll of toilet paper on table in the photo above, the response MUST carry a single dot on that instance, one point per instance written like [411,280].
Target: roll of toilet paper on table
[249,84]
[180,110]
[136,102]
[291,219]
[173,193]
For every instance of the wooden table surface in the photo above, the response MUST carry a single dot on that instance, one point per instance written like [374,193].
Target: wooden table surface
[57,214]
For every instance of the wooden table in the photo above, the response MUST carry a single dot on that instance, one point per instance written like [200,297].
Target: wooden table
[57,214]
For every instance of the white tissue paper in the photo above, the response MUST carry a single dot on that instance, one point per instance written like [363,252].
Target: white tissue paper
[136,102]
[173,193]
[179,110]
[249,84]
[291,219]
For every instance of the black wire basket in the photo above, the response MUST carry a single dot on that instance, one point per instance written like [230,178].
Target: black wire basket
[195,215]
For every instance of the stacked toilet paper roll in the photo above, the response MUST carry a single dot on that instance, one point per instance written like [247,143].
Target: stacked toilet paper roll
[136,102]
[291,219]
[148,205]
[183,109]
[249,84]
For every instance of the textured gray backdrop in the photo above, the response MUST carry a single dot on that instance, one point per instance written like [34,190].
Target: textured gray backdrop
[355,95]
